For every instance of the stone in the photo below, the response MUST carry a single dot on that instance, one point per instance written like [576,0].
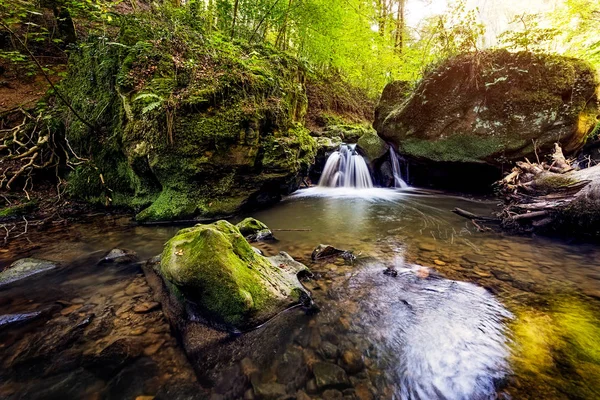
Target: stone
[254,230]
[329,350]
[475,113]
[329,375]
[372,146]
[25,268]
[301,395]
[120,256]
[10,320]
[501,275]
[352,362]
[146,307]
[439,263]
[71,309]
[269,391]
[426,246]
[332,394]
[325,251]
[213,266]
[475,258]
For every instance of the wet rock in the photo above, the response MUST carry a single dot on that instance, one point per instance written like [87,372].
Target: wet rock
[11,320]
[372,146]
[133,380]
[301,395]
[258,251]
[269,391]
[311,386]
[237,286]
[76,384]
[113,356]
[352,361]
[71,309]
[332,394]
[329,375]
[426,246]
[254,230]
[475,258]
[120,256]
[325,251]
[146,307]
[25,268]
[501,275]
[292,369]
[329,350]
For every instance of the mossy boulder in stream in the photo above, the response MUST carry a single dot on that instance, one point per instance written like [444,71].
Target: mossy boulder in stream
[213,267]
[489,109]
[189,126]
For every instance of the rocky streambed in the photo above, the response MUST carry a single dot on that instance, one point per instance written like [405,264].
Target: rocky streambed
[463,314]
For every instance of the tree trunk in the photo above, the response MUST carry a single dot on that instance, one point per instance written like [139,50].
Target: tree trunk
[235,11]
[399,42]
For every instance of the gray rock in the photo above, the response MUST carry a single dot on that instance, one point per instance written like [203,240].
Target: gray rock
[120,256]
[25,268]
[329,375]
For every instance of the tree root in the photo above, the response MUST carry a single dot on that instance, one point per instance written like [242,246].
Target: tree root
[549,195]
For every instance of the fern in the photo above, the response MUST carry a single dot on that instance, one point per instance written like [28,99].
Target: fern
[151,106]
[142,96]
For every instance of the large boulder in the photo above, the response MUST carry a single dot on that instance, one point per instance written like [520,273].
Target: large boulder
[490,109]
[184,128]
[214,268]
[372,146]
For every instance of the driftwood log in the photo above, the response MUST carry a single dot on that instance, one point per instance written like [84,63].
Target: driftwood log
[552,195]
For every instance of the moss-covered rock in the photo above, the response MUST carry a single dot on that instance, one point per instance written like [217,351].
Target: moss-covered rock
[215,268]
[372,146]
[491,108]
[186,126]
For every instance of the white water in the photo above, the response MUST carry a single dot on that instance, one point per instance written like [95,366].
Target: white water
[398,181]
[439,339]
[346,168]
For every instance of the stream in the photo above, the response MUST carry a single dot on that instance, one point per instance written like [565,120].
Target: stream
[468,314]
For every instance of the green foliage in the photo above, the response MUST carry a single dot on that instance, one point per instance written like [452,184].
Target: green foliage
[531,36]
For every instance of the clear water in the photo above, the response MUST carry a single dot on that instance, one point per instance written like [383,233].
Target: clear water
[460,328]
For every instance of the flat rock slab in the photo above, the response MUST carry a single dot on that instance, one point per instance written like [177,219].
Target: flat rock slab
[25,268]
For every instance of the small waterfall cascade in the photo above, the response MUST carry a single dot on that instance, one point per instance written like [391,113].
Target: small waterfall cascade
[398,181]
[346,168]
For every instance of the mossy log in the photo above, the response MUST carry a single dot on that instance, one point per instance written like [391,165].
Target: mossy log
[551,195]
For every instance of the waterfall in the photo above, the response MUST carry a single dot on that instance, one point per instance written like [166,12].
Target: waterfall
[398,182]
[346,168]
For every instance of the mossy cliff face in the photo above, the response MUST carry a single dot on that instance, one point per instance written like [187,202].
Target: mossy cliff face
[215,268]
[186,126]
[492,108]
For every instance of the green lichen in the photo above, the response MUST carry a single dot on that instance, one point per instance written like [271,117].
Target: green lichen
[215,267]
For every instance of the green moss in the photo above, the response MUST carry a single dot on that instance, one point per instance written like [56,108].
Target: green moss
[250,226]
[17,210]
[201,137]
[215,267]
[557,351]
[372,145]
[458,148]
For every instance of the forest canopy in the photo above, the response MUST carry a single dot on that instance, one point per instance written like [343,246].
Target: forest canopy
[368,42]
